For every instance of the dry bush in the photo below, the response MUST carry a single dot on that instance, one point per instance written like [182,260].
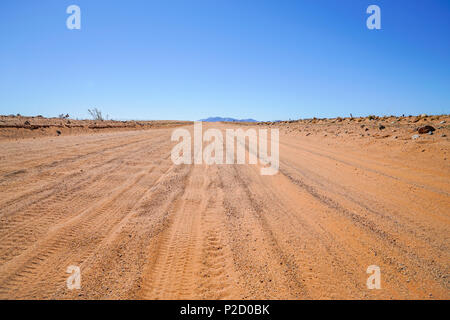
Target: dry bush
[96,114]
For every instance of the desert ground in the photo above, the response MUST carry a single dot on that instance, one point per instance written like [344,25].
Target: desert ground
[106,196]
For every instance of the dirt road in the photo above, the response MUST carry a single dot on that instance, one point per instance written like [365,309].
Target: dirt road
[140,227]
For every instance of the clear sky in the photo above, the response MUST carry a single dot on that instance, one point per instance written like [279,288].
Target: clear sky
[191,59]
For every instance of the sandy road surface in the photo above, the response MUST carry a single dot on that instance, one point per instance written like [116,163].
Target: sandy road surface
[140,227]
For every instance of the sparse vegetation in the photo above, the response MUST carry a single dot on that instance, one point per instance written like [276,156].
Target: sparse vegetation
[96,114]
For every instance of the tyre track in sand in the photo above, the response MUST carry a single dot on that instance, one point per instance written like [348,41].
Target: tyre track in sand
[173,267]
[25,227]
[37,270]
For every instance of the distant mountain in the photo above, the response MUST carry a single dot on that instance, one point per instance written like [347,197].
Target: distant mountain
[219,119]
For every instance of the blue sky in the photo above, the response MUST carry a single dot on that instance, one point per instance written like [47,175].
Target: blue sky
[145,59]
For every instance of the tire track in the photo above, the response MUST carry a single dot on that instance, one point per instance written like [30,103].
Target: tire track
[76,239]
[217,279]
[171,274]
[25,228]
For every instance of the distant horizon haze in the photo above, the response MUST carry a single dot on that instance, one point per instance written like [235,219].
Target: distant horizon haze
[264,60]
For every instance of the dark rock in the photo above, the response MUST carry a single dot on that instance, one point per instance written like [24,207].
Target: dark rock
[381,127]
[425,129]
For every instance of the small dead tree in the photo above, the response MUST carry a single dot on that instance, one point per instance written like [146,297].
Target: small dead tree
[96,114]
